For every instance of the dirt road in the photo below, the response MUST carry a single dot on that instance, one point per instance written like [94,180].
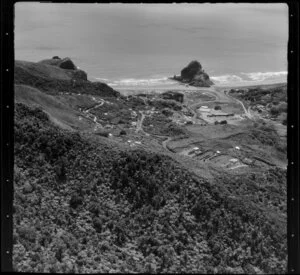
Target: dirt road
[139,124]
[247,112]
[93,117]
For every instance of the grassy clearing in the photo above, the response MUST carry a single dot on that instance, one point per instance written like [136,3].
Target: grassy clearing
[61,114]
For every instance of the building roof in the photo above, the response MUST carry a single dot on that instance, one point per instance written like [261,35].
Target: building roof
[233,160]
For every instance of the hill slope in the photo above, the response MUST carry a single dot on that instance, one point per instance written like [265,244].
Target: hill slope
[59,113]
[87,206]
[53,80]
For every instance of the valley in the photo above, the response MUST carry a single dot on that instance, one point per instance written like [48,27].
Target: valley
[208,126]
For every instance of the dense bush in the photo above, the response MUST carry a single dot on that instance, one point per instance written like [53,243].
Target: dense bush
[135,211]
[162,103]
[267,135]
[279,109]
[274,99]
[158,124]
[167,112]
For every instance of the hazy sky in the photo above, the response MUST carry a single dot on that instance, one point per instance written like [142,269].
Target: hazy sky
[223,37]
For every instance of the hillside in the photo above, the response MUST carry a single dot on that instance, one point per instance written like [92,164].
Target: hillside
[58,112]
[52,80]
[146,183]
[82,206]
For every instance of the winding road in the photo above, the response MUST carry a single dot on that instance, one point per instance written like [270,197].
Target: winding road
[139,128]
[165,143]
[221,96]
[247,112]
[93,117]
[139,124]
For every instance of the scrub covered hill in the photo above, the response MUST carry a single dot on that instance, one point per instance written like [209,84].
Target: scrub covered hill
[84,205]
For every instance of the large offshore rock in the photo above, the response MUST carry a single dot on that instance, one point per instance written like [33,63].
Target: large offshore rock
[193,74]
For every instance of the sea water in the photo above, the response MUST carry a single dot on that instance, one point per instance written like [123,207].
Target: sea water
[143,45]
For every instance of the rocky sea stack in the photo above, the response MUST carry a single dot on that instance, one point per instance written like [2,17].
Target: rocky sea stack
[194,75]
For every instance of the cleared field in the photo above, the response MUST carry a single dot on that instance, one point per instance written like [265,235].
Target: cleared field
[77,100]
[60,113]
[213,131]
[42,70]
[199,96]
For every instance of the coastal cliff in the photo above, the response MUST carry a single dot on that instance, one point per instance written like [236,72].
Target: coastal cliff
[194,75]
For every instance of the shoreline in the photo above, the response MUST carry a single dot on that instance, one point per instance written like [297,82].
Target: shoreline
[135,89]
[168,82]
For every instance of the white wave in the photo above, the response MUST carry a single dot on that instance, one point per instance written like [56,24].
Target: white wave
[225,79]
[140,82]
[221,80]
[101,79]
[250,78]
[261,76]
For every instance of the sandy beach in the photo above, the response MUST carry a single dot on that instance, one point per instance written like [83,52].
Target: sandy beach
[135,89]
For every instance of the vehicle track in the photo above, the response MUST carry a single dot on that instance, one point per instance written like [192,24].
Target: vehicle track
[92,116]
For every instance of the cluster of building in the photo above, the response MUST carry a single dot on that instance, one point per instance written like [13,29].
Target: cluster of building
[213,113]
[133,143]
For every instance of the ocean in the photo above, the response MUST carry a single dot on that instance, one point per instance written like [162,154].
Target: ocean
[143,45]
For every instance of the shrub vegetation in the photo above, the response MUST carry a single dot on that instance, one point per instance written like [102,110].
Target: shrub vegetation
[93,207]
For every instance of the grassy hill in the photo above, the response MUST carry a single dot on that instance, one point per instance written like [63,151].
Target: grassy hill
[58,112]
[53,80]
[23,68]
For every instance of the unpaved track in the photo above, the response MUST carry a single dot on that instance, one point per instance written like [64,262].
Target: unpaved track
[94,118]
[165,143]
[139,128]
[139,124]
[220,96]
[247,112]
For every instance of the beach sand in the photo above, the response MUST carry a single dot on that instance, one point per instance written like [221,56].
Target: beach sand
[152,89]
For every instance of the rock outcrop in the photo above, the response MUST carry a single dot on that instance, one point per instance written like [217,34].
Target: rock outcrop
[66,64]
[194,75]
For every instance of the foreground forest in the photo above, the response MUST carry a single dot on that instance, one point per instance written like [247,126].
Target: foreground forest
[86,205]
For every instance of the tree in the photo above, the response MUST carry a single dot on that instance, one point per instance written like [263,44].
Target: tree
[274,111]
[75,201]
